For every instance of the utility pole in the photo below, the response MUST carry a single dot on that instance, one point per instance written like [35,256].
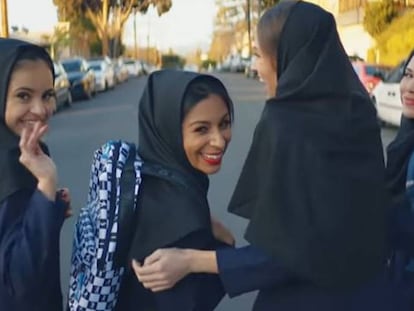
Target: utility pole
[4,19]
[148,37]
[135,34]
[249,27]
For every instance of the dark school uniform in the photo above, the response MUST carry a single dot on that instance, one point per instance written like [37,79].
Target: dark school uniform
[30,227]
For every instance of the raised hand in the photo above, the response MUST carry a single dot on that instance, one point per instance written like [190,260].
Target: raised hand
[36,161]
[64,195]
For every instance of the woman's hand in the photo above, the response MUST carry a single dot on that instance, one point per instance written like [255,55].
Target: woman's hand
[64,195]
[221,233]
[163,268]
[36,161]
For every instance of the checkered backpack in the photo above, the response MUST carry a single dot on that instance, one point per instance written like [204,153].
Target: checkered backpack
[104,228]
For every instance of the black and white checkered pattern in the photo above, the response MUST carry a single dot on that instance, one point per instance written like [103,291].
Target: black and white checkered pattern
[94,279]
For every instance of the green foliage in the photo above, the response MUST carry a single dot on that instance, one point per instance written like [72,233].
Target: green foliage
[172,61]
[268,3]
[378,16]
[395,43]
[206,64]
[96,48]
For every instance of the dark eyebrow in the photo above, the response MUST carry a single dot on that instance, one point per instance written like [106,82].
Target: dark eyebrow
[408,69]
[201,122]
[27,89]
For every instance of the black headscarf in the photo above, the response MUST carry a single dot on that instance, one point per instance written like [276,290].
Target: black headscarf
[313,184]
[398,156]
[14,176]
[170,208]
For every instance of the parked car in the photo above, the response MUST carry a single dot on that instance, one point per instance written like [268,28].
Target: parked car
[386,97]
[250,70]
[121,71]
[133,67]
[370,74]
[104,74]
[62,86]
[81,77]
[238,63]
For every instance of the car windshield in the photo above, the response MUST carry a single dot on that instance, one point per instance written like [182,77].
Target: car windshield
[96,67]
[72,66]
[396,74]
[371,70]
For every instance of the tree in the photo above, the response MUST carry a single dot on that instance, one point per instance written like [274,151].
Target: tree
[81,32]
[109,16]
[378,16]
[396,42]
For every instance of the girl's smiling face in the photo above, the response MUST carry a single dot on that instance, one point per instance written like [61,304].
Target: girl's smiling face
[206,131]
[30,99]
[407,90]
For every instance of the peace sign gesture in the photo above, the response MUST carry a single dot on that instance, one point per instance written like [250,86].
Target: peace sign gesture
[36,161]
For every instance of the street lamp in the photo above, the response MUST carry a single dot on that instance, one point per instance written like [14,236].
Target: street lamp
[4,19]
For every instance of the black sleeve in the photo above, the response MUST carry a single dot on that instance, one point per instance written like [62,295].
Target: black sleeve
[248,269]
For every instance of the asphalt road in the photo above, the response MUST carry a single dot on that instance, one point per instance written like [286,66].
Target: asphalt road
[77,131]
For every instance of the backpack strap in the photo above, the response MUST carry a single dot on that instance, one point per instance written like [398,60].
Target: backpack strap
[159,171]
[129,186]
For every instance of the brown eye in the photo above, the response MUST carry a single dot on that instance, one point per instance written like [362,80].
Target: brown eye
[50,95]
[201,129]
[24,96]
[225,124]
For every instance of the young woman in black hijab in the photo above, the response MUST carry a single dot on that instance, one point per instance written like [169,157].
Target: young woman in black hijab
[30,215]
[400,173]
[184,128]
[313,184]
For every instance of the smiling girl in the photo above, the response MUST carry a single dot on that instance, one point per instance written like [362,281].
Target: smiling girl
[185,121]
[31,213]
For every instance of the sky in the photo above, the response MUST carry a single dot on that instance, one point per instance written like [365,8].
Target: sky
[188,24]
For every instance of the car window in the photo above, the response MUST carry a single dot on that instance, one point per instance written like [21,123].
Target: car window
[96,67]
[395,75]
[371,70]
[72,66]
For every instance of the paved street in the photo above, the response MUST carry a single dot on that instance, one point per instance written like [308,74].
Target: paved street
[77,131]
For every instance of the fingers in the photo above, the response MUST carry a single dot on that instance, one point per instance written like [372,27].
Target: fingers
[30,137]
[154,257]
[143,271]
[64,195]
[149,274]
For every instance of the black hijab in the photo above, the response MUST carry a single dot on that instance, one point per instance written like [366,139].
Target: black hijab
[398,156]
[313,184]
[170,208]
[14,176]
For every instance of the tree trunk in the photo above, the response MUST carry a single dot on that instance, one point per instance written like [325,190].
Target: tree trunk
[4,19]
[105,43]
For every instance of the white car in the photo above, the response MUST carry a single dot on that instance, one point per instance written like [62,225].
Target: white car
[386,97]
[104,75]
